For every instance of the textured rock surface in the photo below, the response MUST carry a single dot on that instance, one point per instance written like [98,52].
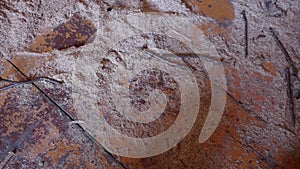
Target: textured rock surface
[256,130]
[76,32]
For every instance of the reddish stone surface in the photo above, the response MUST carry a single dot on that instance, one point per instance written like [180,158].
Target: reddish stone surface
[75,32]
[219,10]
[38,134]
[256,130]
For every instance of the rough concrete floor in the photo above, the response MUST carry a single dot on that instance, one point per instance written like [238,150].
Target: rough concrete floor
[258,44]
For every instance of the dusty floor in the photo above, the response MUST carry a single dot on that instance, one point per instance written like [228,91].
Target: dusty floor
[70,41]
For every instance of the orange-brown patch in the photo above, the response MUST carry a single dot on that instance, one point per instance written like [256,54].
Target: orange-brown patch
[76,32]
[226,138]
[269,67]
[236,83]
[25,64]
[221,10]
[61,148]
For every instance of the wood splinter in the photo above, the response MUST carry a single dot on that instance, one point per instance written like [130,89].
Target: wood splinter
[290,95]
[246,32]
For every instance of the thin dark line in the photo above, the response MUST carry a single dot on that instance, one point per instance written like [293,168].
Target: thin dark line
[285,52]
[45,94]
[18,83]
[181,55]
[259,154]
[69,116]
[242,105]
[236,100]
[246,33]
[290,95]
[54,81]
[10,86]
[7,159]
